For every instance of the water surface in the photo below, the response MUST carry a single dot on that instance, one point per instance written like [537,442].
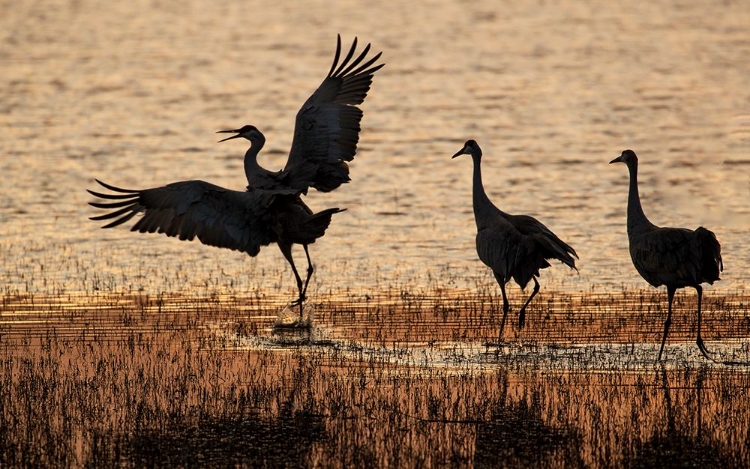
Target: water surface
[133,94]
[137,350]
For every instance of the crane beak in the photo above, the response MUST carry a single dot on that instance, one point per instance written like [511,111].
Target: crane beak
[460,152]
[616,160]
[235,131]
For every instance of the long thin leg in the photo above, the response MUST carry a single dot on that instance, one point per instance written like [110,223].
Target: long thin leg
[699,341]
[506,306]
[522,313]
[286,250]
[310,270]
[668,322]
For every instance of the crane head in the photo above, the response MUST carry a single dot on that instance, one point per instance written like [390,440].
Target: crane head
[249,132]
[628,157]
[471,147]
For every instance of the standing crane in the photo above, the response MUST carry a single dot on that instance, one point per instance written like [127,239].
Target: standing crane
[675,257]
[513,246]
[271,210]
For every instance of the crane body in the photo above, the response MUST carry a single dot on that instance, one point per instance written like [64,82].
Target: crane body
[514,246]
[673,257]
[271,210]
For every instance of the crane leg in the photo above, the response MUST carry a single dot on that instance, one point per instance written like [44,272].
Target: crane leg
[699,341]
[506,306]
[668,322]
[522,313]
[310,270]
[286,250]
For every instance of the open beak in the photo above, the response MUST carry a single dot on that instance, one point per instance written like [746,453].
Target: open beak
[235,131]
[616,160]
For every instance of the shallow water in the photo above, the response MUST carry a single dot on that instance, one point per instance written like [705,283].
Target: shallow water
[133,94]
[133,350]
[134,380]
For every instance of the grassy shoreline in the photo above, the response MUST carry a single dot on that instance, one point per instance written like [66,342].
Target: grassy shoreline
[394,378]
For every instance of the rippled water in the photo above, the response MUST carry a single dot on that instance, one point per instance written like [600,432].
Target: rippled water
[118,348]
[117,380]
[132,93]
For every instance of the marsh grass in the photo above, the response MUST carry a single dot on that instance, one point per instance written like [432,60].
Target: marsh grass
[399,378]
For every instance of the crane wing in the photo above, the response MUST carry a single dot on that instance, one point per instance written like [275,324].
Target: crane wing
[666,256]
[510,254]
[327,126]
[216,216]
[555,247]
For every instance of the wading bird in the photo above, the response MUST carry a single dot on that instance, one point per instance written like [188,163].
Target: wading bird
[271,210]
[675,257]
[513,246]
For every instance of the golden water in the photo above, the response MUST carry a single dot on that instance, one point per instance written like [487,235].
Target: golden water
[133,92]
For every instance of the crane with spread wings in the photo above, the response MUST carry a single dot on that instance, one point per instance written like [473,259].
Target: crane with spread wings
[271,210]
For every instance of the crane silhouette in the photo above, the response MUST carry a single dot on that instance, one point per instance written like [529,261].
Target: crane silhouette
[513,246]
[271,210]
[675,257]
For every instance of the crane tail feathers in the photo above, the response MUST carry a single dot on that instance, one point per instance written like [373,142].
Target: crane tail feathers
[711,263]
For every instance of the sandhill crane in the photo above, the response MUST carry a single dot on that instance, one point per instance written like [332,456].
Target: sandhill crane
[675,257]
[513,246]
[271,210]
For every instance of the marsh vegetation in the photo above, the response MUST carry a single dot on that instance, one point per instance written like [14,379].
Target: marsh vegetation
[407,379]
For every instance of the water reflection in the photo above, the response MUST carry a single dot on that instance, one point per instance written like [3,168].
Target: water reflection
[96,327]
[517,435]
[231,441]
[681,438]
[172,390]
[556,92]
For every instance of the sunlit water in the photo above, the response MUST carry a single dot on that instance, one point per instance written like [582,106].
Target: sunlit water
[133,94]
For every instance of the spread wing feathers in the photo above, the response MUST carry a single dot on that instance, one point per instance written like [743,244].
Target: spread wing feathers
[553,247]
[510,254]
[676,256]
[216,216]
[327,129]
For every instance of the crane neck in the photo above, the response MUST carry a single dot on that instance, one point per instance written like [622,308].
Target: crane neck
[480,200]
[636,217]
[251,159]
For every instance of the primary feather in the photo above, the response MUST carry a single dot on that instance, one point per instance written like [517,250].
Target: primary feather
[271,210]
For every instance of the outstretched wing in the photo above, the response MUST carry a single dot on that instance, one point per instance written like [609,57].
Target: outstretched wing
[327,127]
[216,216]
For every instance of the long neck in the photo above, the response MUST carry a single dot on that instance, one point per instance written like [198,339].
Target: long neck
[636,217]
[252,167]
[479,197]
